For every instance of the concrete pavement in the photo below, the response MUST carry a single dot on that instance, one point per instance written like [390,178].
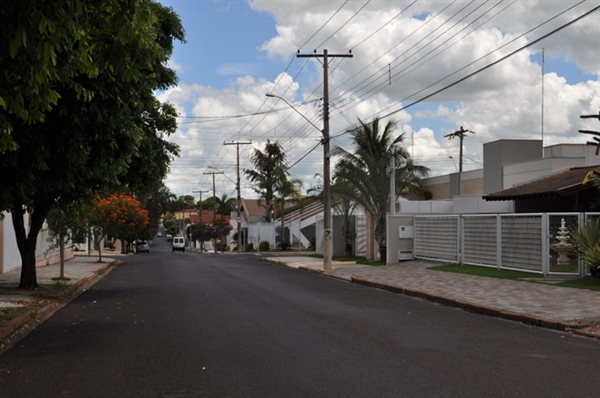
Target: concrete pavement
[532,303]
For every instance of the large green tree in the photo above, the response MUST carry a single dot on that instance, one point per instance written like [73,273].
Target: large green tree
[269,167]
[226,205]
[100,127]
[367,170]
[157,203]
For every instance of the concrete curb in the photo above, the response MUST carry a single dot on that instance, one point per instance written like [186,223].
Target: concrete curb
[15,324]
[475,308]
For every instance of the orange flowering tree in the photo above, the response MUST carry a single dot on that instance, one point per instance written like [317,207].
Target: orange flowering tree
[120,216]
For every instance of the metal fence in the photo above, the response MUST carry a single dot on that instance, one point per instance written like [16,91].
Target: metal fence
[537,243]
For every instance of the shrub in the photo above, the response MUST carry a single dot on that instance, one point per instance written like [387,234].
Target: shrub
[284,245]
[249,247]
[587,239]
[264,246]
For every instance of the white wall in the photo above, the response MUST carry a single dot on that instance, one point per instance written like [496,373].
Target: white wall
[476,204]
[258,232]
[11,257]
[426,206]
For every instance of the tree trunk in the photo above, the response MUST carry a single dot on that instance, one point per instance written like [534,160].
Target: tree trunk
[383,254]
[381,239]
[268,211]
[62,256]
[282,231]
[98,243]
[27,241]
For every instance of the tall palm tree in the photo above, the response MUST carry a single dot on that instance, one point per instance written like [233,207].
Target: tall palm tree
[269,166]
[367,171]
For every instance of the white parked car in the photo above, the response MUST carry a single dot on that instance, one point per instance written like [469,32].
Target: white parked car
[179,243]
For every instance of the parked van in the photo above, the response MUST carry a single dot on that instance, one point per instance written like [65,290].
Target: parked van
[179,243]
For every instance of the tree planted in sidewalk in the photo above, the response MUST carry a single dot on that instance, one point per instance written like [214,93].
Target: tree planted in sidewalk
[98,125]
[66,223]
[216,232]
[119,216]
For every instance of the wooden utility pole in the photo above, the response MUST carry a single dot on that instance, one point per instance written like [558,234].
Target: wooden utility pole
[200,212]
[239,194]
[461,133]
[214,194]
[327,243]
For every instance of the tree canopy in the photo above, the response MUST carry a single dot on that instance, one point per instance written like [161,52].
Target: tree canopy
[269,168]
[367,171]
[78,113]
[119,216]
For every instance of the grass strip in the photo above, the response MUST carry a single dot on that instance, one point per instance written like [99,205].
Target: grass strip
[486,271]
[587,282]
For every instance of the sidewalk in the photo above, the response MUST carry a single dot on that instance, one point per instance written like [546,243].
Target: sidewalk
[532,303]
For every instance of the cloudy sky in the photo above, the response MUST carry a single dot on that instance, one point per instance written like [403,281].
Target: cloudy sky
[508,69]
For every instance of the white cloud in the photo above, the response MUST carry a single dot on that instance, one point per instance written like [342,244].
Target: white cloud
[392,68]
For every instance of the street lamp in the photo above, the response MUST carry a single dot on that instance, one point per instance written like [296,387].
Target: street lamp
[327,243]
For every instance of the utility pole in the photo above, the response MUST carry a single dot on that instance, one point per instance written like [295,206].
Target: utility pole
[596,141]
[327,243]
[214,194]
[238,218]
[461,133]
[200,213]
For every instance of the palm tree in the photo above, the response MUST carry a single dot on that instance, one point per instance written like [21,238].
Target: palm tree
[226,205]
[367,171]
[269,166]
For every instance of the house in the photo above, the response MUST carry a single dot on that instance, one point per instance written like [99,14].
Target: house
[506,165]
[521,186]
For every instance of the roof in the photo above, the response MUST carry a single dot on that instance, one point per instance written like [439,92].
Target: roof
[207,218]
[556,185]
[253,208]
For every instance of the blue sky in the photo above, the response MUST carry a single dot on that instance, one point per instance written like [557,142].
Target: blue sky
[222,41]
[236,51]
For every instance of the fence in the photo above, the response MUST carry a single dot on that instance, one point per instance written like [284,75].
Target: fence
[537,243]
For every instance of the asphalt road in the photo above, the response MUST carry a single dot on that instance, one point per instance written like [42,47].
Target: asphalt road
[179,324]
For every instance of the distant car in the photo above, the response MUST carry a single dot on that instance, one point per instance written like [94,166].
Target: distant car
[142,246]
[169,237]
[159,234]
[179,243]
